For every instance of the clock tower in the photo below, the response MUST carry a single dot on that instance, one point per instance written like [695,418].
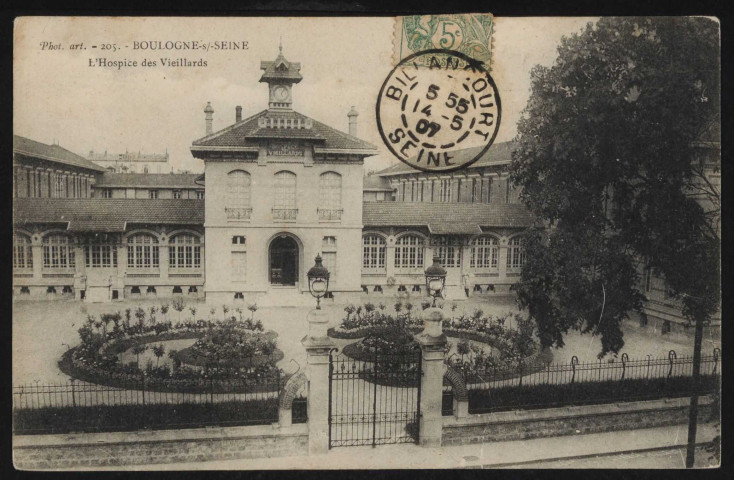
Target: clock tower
[280,75]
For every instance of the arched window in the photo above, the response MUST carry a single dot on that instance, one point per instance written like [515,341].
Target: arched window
[58,252]
[142,251]
[409,252]
[330,190]
[285,190]
[448,248]
[184,251]
[516,253]
[22,253]
[330,196]
[100,251]
[238,189]
[484,253]
[373,251]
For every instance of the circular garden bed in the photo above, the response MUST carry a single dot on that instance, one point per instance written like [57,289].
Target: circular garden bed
[513,351]
[227,356]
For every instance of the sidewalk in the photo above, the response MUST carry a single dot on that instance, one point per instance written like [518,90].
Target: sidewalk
[487,455]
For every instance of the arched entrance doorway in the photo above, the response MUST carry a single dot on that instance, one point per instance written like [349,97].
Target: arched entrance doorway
[283,258]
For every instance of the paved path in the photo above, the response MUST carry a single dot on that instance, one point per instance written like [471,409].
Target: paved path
[516,454]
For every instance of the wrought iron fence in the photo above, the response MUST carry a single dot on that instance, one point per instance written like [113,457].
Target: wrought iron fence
[81,406]
[376,401]
[500,387]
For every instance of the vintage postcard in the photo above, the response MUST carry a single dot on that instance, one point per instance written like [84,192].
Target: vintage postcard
[431,241]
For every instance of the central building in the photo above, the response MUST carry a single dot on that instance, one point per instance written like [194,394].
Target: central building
[281,188]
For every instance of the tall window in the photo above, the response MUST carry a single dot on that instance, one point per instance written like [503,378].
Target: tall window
[106,193]
[449,249]
[516,253]
[22,253]
[58,185]
[238,189]
[484,253]
[373,251]
[409,252]
[100,251]
[200,194]
[153,194]
[330,190]
[238,259]
[648,279]
[58,252]
[285,190]
[184,251]
[328,255]
[177,194]
[142,251]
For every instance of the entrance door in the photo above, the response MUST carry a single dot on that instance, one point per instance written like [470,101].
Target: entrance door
[283,261]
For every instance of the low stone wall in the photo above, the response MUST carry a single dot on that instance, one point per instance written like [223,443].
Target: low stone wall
[553,422]
[87,451]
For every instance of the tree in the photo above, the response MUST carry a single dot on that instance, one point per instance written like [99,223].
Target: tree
[605,158]
[158,351]
[137,350]
[613,156]
[178,304]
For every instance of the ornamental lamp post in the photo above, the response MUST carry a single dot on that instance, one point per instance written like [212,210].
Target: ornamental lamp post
[435,278]
[318,281]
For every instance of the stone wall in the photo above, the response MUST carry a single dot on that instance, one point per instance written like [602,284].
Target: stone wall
[552,422]
[33,452]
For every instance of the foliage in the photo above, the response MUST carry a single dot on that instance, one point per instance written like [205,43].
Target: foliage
[223,346]
[108,418]
[584,393]
[605,159]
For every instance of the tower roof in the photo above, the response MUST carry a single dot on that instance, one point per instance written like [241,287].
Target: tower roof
[281,69]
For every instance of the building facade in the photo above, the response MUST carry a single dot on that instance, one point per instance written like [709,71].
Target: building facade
[131,162]
[280,189]
[177,186]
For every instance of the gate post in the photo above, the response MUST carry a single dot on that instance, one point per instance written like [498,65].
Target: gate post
[432,342]
[318,344]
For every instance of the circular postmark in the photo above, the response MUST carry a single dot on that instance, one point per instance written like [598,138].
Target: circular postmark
[438,110]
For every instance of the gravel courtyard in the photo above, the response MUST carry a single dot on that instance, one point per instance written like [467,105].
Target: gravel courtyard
[43,330]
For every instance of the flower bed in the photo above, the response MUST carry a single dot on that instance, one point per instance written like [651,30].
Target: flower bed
[229,356]
[510,335]
[248,351]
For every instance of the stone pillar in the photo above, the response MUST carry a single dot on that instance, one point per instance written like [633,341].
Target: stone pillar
[37,252]
[163,260]
[390,259]
[432,342]
[318,345]
[80,263]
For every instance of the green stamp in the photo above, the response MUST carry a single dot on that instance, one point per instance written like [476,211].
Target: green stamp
[467,33]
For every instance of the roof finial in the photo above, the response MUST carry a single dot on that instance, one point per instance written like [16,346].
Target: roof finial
[280,45]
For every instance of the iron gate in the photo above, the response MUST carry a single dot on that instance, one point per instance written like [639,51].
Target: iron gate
[374,402]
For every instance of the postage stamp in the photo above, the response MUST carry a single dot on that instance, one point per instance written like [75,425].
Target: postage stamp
[438,110]
[467,33]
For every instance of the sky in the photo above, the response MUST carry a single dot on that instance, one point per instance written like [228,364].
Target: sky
[59,98]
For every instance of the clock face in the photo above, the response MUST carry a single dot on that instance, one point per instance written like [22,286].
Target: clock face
[280,93]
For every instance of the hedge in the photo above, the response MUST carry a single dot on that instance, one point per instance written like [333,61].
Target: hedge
[108,418]
[529,397]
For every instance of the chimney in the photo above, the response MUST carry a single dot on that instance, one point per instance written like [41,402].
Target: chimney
[237,113]
[209,116]
[352,115]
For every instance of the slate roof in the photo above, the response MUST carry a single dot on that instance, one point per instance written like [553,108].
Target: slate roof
[498,154]
[446,217]
[52,153]
[108,215]
[272,70]
[375,183]
[246,132]
[148,180]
